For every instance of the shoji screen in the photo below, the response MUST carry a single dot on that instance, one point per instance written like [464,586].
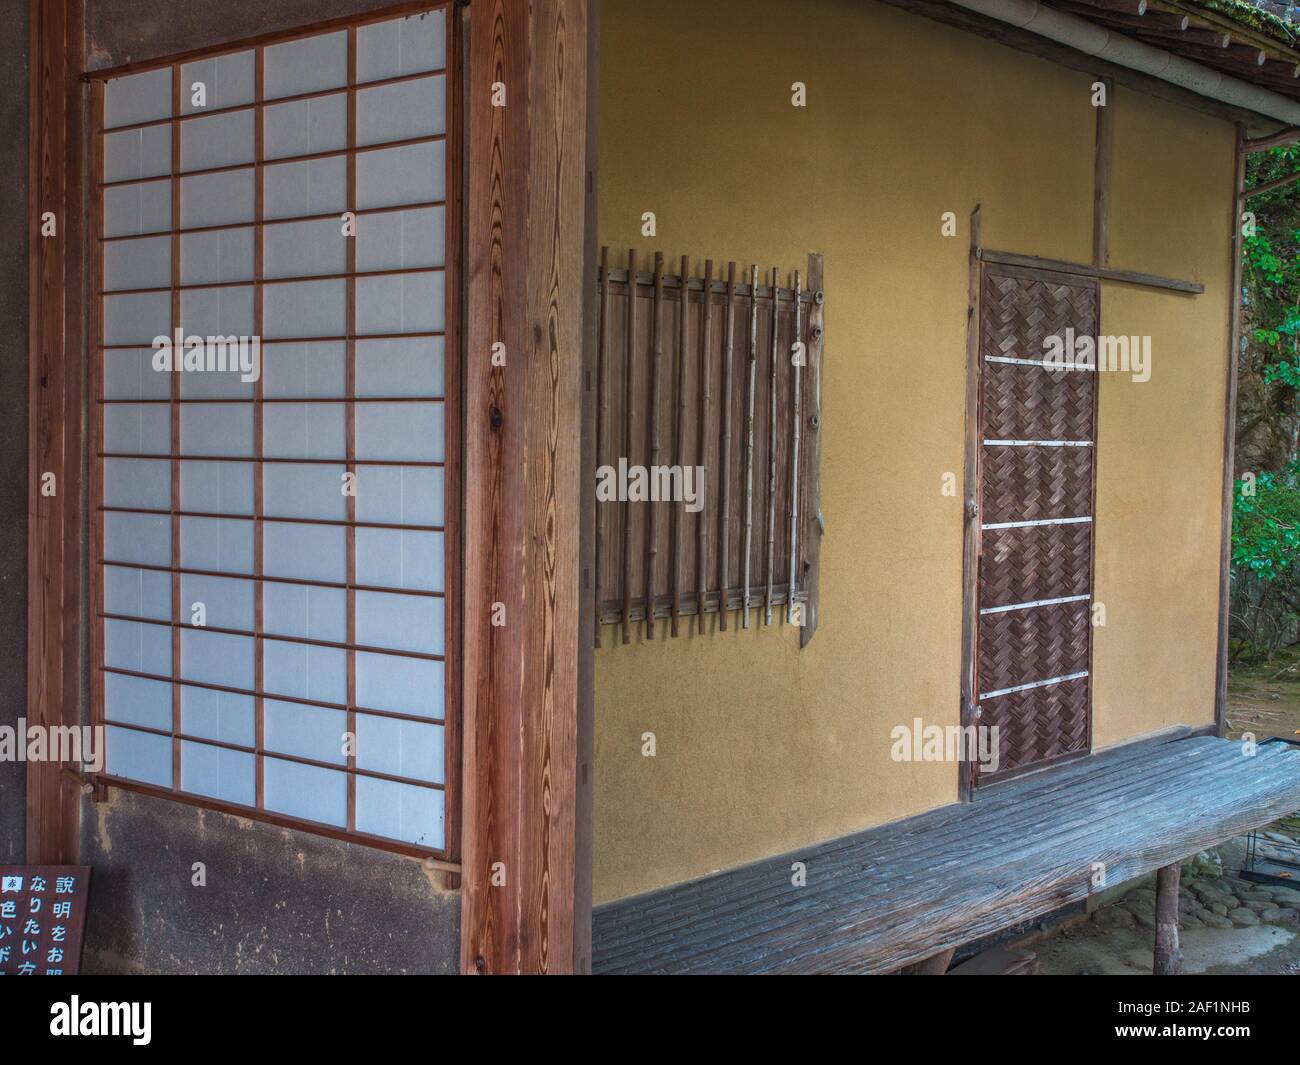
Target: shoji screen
[274,631]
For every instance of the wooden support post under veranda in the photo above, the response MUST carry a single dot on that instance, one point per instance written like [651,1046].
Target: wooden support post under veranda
[1169,956]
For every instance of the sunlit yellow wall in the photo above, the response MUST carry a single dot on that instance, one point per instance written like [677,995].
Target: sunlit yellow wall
[1160,443]
[762,747]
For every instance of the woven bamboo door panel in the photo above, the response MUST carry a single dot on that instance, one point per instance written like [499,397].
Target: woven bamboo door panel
[1036,482]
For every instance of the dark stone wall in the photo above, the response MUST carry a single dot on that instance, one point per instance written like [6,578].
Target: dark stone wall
[276,900]
[13,418]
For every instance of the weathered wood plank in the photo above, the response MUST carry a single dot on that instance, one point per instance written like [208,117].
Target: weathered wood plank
[952,875]
[526,242]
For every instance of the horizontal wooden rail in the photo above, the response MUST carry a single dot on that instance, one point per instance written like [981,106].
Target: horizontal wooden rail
[1106,273]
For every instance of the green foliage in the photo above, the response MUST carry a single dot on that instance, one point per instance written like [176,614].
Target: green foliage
[1272,269]
[1266,525]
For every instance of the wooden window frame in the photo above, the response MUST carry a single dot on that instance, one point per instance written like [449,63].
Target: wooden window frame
[452,400]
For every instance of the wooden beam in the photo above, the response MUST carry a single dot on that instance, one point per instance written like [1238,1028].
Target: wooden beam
[1229,435]
[588,622]
[1270,186]
[1131,277]
[1288,135]
[1168,956]
[1070,58]
[1103,154]
[810,541]
[55,358]
[970,506]
[523,432]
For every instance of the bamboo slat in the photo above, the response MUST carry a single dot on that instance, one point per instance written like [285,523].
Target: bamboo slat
[749,439]
[629,363]
[771,463]
[796,413]
[652,435]
[706,377]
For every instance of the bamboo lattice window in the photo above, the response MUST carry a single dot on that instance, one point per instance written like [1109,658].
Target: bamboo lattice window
[721,375]
[275,555]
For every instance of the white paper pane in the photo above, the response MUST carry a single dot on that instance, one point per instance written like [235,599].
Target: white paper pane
[305,791]
[402,110]
[138,701]
[394,240]
[145,207]
[216,256]
[403,46]
[305,552]
[403,685]
[403,495]
[138,153]
[227,602]
[145,538]
[138,318]
[400,622]
[411,432]
[391,177]
[401,303]
[312,186]
[316,613]
[217,715]
[143,263]
[228,383]
[217,658]
[304,430]
[141,593]
[217,487]
[221,544]
[218,140]
[129,374]
[137,428]
[306,127]
[305,671]
[139,756]
[217,199]
[138,98]
[400,367]
[228,81]
[304,490]
[309,64]
[217,311]
[137,483]
[400,811]
[400,748]
[137,646]
[309,369]
[216,429]
[302,249]
[398,558]
[219,772]
[314,732]
[305,309]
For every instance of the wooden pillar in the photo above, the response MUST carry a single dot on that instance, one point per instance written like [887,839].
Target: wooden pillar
[1229,433]
[525,212]
[55,359]
[1169,957]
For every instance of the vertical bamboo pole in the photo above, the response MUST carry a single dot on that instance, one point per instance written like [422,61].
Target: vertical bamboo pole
[749,439]
[652,435]
[628,363]
[701,581]
[790,614]
[771,460]
[679,445]
[729,336]
[602,358]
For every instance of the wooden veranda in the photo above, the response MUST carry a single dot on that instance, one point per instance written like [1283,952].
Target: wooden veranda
[891,896]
